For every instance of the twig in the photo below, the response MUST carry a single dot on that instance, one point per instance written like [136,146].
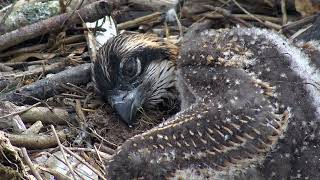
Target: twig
[105,149]
[75,89]
[50,86]
[257,19]
[227,14]
[298,33]
[34,129]
[67,95]
[63,153]
[103,139]
[36,99]
[92,44]
[100,159]
[284,12]
[24,50]
[298,24]
[80,112]
[37,47]
[66,60]
[52,68]
[103,154]
[247,12]
[84,162]
[179,24]
[69,40]
[21,111]
[244,17]
[78,89]
[71,14]
[30,164]
[81,121]
[138,21]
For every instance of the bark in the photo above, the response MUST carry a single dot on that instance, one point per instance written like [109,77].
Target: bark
[89,13]
[49,86]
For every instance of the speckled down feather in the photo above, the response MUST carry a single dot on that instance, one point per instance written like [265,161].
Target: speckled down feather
[253,114]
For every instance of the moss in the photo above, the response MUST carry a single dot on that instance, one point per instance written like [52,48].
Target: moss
[31,13]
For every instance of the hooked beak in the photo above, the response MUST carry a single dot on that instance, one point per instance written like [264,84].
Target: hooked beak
[126,104]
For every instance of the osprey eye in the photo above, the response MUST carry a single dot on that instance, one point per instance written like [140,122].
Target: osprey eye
[131,68]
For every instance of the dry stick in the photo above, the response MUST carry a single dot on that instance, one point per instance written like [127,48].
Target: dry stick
[299,32]
[298,24]
[92,44]
[136,22]
[103,139]
[203,18]
[38,100]
[68,40]
[105,149]
[84,162]
[247,12]
[81,121]
[80,112]
[72,96]
[30,164]
[89,13]
[104,154]
[50,86]
[46,115]
[40,62]
[78,89]
[284,12]
[25,50]
[100,159]
[227,14]
[34,129]
[257,19]
[21,111]
[34,141]
[37,71]
[244,17]
[73,89]
[63,153]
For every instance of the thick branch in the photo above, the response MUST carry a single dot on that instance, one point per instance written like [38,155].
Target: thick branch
[49,86]
[35,141]
[89,13]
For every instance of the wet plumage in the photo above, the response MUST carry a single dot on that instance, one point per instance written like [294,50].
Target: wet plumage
[245,107]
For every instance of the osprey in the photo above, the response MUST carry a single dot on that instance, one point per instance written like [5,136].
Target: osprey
[247,105]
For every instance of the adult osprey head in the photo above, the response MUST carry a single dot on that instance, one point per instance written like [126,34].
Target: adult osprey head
[135,70]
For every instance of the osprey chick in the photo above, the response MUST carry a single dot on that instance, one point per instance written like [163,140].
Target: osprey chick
[238,91]
[135,70]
